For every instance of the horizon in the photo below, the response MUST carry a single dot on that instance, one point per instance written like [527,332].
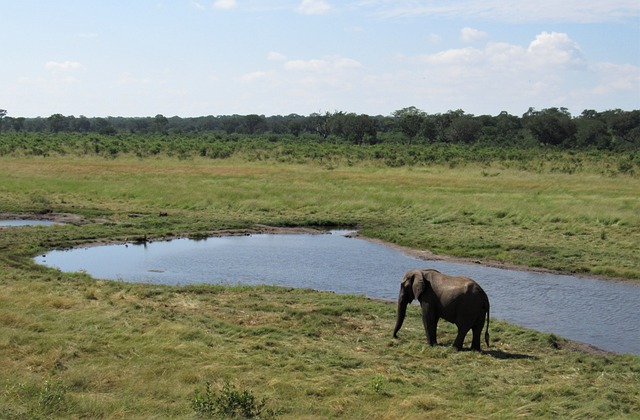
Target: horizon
[390,114]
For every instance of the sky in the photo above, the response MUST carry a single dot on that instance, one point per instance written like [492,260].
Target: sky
[192,58]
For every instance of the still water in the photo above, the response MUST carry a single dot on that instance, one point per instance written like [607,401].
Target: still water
[18,223]
[604,314]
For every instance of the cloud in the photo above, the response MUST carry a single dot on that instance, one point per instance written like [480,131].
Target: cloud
[276,56]
[582,11]
[616,78]
[129,79]
[469,35]
[314,7]
[549,50]
[551,70]
[197,5]
[225,4]
[322,65]
[254,77]
[65,66]
[553,48]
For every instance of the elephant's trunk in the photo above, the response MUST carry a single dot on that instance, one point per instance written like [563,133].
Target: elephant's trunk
[402,310]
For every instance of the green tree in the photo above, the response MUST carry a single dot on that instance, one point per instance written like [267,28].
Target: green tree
[592,131]
[103,126]
[410,121]
[463,129]
[319,124]
[552,126]
[254,123]
[160,123]
[3,113]
[359,128]
[18,123]
[57,123]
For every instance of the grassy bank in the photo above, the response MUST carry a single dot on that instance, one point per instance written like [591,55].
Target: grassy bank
[585,223]
[71,346]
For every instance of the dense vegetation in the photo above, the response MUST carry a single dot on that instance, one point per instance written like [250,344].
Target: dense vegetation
[608,130]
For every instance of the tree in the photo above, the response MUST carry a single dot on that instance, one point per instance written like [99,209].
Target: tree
[3,113]
[320,124]
[410,121]
[57,123]
[463,129]
[551,126]
[160,123]
[254,123]
[359,127]
[18,123]
[81,124]
[103,126]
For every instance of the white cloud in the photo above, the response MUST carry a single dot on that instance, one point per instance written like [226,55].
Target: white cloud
[322,65]
[469,35]
[254,77]
[549,51]
[555,49]
[129,79]
[583,11]
[56,66]
[225,4]
[276,56]
[550,71]
[314,7]
[434,38]
[614,78]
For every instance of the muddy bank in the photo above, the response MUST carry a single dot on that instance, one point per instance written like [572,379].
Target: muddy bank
[62,218]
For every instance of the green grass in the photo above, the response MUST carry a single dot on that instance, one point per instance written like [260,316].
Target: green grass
[75,347]
[587,223]
[72,346]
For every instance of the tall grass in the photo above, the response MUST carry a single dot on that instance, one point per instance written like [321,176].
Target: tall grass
[72,346]
[586,223]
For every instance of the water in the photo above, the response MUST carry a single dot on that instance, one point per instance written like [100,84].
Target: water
[604,314]
[18,223]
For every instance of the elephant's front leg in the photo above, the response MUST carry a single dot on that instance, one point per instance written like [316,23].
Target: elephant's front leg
[430,322]
[459,341]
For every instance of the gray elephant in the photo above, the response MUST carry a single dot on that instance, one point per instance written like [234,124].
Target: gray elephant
[458,300]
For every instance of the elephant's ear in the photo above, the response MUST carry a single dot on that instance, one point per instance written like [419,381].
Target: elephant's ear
[419,285]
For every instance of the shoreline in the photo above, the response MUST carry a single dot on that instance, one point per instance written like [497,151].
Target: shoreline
[67,218]
[70,218]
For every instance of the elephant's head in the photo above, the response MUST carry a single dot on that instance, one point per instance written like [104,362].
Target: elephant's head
[412,286]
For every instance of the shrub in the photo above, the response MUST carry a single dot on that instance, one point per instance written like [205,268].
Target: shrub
[229,403]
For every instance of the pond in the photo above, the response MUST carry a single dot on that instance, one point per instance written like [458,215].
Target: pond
[604,314]
[21,222]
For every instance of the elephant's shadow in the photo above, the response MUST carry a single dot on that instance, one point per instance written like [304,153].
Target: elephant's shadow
[499,354]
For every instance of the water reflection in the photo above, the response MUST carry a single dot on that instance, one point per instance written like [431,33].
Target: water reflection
[592,311]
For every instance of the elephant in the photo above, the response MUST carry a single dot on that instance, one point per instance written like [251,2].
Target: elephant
[458,300]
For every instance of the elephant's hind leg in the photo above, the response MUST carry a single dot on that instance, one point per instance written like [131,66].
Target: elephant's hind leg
[477,333]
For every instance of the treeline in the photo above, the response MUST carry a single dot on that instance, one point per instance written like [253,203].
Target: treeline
[608,130]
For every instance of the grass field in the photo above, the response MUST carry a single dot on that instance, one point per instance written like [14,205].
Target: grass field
[586,223]
[72,347]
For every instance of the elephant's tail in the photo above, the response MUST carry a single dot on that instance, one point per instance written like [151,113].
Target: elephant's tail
[486,332]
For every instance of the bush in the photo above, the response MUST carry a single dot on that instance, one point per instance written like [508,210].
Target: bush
[229,403]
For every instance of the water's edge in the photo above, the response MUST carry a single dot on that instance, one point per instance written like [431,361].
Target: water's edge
[386,297]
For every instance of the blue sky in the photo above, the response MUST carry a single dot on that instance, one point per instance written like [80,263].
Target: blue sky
[277,57]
